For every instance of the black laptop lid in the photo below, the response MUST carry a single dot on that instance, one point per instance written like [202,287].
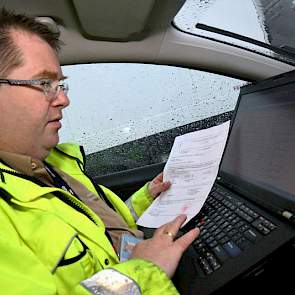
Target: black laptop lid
[259,159]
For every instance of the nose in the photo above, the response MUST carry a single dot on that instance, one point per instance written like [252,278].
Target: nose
[62,100]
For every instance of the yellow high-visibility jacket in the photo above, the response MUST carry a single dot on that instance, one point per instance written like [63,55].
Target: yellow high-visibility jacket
[50,241]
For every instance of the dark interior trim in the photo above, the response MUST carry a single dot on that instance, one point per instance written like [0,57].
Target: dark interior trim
[130,177]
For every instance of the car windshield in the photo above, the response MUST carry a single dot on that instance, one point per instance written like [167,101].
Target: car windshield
[262,26]
[132,112]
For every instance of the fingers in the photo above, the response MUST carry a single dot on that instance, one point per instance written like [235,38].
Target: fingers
[156,186]
[172,226]
[159,177]
[161,187]
[171,229]
[177,223]
[184,241]
[166,185]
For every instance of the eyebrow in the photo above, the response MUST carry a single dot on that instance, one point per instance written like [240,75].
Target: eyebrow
[48,75]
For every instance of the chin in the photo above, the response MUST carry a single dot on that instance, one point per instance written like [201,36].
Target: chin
[47,143]
[52,142]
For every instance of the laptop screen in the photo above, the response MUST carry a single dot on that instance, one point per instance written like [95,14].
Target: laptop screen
[260,152]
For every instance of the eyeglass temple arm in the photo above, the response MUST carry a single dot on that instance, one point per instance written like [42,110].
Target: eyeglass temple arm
[19,82]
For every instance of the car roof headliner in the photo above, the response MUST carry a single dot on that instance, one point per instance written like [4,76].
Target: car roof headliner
[140,31]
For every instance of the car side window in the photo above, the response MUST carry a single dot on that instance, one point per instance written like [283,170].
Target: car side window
[127,115]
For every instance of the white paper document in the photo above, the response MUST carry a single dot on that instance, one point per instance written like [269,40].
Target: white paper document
[192,168]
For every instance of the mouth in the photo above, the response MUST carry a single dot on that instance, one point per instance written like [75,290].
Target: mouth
[55,122]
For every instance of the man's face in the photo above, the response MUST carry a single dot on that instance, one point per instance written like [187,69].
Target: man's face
[29,122]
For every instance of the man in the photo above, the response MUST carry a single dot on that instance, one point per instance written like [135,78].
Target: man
[51,242]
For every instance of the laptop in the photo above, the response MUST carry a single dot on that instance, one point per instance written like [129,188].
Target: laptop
[249,213]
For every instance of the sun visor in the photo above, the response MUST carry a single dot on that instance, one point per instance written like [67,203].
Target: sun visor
[115,20]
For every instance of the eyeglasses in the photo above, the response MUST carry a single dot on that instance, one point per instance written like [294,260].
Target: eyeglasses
[51,88]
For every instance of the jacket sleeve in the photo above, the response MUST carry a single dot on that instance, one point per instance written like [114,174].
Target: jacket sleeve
[22,273]
[133,207]
[139,201]
[135,276]
[151,279]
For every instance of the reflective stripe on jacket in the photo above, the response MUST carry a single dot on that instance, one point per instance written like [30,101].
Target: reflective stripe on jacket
[47,247]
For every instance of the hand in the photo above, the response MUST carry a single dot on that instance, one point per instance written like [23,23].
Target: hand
[162,249]
[156,186]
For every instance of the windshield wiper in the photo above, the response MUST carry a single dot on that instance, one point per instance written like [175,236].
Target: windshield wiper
[277,50]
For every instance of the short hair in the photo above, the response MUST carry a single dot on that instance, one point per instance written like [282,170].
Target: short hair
[10,54]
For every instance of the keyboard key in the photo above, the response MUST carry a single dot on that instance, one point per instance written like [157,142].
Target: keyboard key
[249,211]
[217,231]
[224,240]
[233,218]
[243,243]
[243,228]
[220,236]
[213,244]
[232,249]
[270,225]
[205,236]
[244,215]
[232,233]
[263,226]
[252,235]
[217,218]
[198,245]
[213,262]
[205,266]
[220,253]
[241,223]
[228,227]
[236,237]
[225,224]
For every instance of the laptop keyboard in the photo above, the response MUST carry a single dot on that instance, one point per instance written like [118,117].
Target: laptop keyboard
[228,227]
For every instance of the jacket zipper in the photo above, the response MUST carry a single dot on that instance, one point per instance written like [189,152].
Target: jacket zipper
[81,164]
[72,202]
[66,199]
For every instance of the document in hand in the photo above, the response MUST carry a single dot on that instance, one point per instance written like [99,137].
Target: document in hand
[192,168]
